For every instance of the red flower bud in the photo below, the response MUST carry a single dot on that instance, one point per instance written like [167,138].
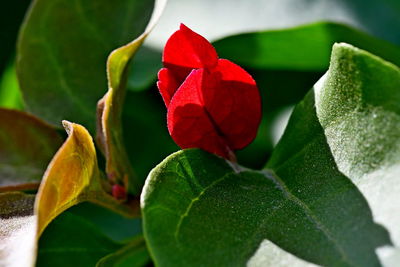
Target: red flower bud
[212,103]
[118,192]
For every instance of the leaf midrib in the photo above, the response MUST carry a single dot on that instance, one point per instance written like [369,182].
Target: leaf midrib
[269,174]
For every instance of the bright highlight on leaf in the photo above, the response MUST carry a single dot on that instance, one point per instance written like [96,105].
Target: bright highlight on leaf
[212,103]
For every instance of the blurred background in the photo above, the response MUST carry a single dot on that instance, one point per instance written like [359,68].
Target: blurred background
[220,18]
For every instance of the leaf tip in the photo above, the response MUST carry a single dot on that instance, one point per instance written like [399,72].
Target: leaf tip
[67,126]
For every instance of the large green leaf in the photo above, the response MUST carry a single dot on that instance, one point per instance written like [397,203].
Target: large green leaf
[358,105]
[306,47]
[62,52]
[200,209]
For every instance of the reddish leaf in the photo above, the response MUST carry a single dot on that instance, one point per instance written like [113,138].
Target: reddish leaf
[212,103]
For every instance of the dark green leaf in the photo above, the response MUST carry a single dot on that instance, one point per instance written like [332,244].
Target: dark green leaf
[199,210]
[144,69]
[70,240]
[147,139]
[303,48]
[106,220]
[286,64]
[88,235]
[62,52]
[134,254]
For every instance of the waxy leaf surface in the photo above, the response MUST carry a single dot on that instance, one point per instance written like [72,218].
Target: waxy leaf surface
[27,145]
[212,103]
[62,52]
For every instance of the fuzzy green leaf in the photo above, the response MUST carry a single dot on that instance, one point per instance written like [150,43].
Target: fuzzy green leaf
[358,105]
[198,209]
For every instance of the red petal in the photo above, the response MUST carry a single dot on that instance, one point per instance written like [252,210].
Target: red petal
[188,123]
[186,50]
[235,104]
[167,85]
[215,110]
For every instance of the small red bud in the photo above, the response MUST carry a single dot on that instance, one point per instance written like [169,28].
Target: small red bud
[118,192]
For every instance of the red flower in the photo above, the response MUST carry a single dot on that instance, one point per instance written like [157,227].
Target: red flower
[212,103]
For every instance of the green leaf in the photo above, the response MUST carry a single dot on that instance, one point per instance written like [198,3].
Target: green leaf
[144,123]
[72,240]
[110,107]
[303,48]
[62,52]
[286,63]
[134,254]
[200,210]
[106,220]
[88,232]
[18,229]
[27,145]
[144,69]
[358,105]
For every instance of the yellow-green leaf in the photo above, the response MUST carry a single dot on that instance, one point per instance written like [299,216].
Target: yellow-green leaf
[109,135]
[72,177]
